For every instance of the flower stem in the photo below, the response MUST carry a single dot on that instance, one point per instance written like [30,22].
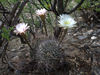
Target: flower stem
[24,36]
[60,34]
[65,31]
[43,20]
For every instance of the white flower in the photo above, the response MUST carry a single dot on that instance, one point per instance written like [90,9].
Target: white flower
[66,21]
[21,28]
[41,12]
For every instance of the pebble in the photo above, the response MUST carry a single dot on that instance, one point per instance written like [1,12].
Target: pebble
[0,23]
[98,31]
[15,59]
[28,54]
[85,35]
[93,37]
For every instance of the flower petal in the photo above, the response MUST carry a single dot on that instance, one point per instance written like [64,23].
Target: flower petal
[41,12]
[21,28]
[66,21]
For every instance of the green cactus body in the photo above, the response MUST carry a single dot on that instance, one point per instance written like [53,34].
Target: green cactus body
[49,55]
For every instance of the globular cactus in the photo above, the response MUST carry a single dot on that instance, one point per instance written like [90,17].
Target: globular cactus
[49,55]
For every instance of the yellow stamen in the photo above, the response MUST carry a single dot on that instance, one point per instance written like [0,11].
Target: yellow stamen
[66,22]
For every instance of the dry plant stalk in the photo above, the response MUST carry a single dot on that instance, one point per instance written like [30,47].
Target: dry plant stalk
[65,31]
[43,20]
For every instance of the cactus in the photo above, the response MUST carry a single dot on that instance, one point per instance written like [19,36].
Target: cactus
[48,55]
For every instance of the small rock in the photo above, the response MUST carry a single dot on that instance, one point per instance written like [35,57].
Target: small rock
[89,32]
[18,72]
[85,25]
[98,31]
[15,59]
[93,37]
[97,71]
[91,19]
[98,26]
[94,34]
[92,24]
[28,54]
[77,33]
[80,18]
[0,23]
[13,50]
[84,36]
[72,40]
[70,34]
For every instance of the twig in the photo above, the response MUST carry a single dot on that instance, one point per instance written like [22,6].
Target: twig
[72,10]
[19,12]
[13,12]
